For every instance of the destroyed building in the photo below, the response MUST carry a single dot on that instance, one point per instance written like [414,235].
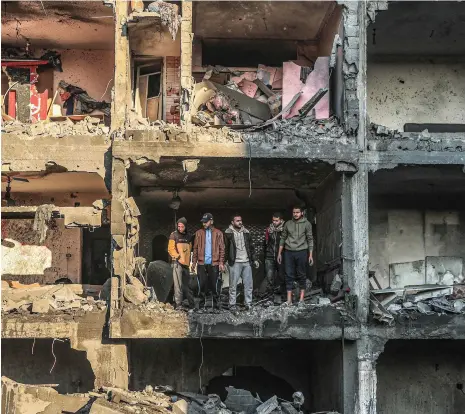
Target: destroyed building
[120,117]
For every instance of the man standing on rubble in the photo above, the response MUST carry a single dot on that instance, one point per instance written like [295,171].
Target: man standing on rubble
[240,255]
[297,243]
[274,271]
[208,253]
[179,248]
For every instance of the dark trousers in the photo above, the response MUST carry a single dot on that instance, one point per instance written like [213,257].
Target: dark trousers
[274,273]
[209,278]
[295,268]
[181,279]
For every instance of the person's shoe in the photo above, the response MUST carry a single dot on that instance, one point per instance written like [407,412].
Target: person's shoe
[178,307]
[233,309]
[247,307]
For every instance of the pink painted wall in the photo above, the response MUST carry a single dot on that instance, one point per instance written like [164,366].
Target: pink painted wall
[318,78]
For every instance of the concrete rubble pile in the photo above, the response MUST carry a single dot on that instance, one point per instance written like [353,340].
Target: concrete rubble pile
[35,399]
[169,15]
[88,126]
[411,301]
[36,299]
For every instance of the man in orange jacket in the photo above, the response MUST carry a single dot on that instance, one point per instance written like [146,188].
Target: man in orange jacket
[179,248]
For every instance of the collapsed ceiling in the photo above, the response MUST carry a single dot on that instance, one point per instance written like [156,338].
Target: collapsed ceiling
[60,25]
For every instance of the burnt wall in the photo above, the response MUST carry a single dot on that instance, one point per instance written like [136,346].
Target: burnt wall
[29,362]
[421,377]
[263,366]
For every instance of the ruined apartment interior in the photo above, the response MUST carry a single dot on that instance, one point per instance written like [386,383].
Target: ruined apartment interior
[121,117]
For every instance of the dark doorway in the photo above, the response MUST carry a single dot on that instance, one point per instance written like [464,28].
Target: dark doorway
[160,248]
[96,256]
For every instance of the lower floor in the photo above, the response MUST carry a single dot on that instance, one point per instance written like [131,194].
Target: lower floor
[370,375]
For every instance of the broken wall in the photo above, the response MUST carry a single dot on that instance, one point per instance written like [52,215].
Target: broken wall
[23,259]
[421,377]
[31,361]
[154,41]
[177,363]
[415,92]
[401,235]
[329,227]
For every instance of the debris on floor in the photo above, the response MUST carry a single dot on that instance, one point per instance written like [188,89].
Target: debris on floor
[77,101]
[417,299]
[25,299]
[88,126]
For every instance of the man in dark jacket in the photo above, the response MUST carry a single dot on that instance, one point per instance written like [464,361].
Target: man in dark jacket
[208,253]
[273,270]
[297,243]
[240,256]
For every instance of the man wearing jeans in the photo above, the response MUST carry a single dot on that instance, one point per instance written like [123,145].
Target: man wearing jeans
[273,270]
[179,248]
[208,253]
[240,255]
[297,243]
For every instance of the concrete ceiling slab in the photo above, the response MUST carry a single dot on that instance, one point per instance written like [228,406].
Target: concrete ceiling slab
[231,173]
[421,28]
[59,25]
[292,20]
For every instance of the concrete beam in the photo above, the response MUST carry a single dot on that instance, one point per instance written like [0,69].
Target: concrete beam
[145,151]
[72,153]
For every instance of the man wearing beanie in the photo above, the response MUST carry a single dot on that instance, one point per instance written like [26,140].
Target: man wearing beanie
[179,248]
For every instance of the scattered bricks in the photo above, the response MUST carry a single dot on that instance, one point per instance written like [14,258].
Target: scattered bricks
[41,306]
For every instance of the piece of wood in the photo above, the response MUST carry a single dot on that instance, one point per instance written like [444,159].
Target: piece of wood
[311,103]
[51,103]
[152,108]
[267,91]
[12,104]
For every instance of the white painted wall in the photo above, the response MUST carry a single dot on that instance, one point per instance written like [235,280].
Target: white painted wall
[430,93]
[398,236]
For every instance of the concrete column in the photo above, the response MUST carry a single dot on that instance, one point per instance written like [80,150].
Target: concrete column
[368,351]
[349,377]
[109,361]
[186,59]
[122,84]
[355,237]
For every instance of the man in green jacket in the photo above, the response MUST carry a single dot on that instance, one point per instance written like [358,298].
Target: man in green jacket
[297,243]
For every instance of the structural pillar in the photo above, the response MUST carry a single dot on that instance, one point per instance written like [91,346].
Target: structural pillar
[186,60]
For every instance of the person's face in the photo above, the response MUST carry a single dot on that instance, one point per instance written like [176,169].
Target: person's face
[297,213]
[208,224]
[276,221]
[181,227]
[237,222]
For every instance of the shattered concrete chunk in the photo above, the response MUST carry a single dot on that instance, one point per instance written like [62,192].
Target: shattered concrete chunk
[241,400]
[180,407]
[134,295]
[41,306]
[268,406]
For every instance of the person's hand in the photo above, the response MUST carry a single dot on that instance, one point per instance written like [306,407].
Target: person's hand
[193,268]
[221,267]
[310,260]
[280,258]
[256,264]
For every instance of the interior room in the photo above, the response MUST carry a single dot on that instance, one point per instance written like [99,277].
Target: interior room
[416,67]
[55,226]
[416,225]
[57,61]
[263,367]
[173,188]
[258,55]
[421,376]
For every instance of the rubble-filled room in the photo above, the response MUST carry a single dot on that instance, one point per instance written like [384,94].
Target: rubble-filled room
[57,67]
[415,70]
[263,60]
[421,376]
[243,373]
[55,241]
[258,192]
[417,241]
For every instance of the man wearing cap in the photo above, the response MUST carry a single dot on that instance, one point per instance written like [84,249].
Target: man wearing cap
[208,254]
[179,248]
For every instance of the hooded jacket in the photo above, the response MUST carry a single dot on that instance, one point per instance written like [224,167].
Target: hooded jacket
[231,248]
[180,246]
[297,235]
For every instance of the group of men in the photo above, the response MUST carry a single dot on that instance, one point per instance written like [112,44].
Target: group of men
[288,251]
